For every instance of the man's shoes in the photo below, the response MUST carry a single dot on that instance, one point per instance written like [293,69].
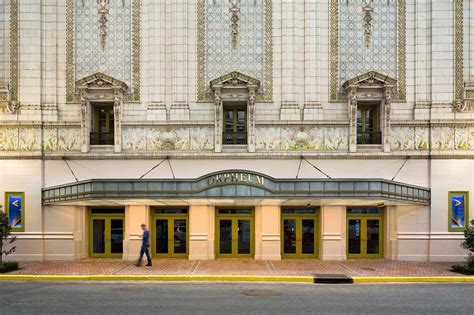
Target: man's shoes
[148,265]
[138,265]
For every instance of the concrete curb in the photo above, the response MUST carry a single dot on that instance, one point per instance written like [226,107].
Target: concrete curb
[225,278]
[412,279]
[222,278]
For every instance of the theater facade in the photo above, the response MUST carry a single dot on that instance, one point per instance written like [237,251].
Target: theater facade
[252,129]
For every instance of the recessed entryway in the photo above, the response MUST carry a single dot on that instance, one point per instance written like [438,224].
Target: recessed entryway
[106,232]
[235,233]
[170,232]
[364,232]
[299,232]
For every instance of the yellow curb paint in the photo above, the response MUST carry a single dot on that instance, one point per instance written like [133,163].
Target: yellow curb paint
[236,278]
[412,279]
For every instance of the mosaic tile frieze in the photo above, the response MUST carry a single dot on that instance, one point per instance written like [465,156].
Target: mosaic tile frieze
[367,36]
[234,36]
[111,47]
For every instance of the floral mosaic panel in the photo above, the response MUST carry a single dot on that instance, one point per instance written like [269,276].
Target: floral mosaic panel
[403,139]
[359,54]
[442,138]
[116,59]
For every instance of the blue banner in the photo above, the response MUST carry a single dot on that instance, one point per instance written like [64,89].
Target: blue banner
[458,211]
[15,210]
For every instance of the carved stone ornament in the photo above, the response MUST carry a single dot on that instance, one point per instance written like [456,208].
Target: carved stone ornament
[168,135]
[301,136]
[103,12]
[459,106]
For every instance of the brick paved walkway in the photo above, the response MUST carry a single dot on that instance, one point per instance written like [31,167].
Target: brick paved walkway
[287,267]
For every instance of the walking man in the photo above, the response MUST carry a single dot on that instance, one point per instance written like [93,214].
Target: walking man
[145,249]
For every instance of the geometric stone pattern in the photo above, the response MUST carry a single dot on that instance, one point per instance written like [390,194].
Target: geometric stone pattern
[353,54]
[247,56]
[355,57]
[252,53]
[115,59]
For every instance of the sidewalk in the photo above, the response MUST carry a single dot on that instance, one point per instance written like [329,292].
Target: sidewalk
[226,269]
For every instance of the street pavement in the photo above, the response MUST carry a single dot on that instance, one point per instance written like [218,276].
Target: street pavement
[17,297]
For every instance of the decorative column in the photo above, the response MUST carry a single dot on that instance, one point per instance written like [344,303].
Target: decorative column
[251,118]
[218,119]
[386,132]
[352,112]
[85,124]
[118,102]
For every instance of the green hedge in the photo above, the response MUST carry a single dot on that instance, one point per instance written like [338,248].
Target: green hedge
[8,266]
[467,269]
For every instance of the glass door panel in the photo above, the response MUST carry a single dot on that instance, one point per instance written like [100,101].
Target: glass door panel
[289,236]
[307,236]
[98,236]
[225,236]
[161,236]
[244,236]
[354,236]
[179,237]
[373,236]
[116,236]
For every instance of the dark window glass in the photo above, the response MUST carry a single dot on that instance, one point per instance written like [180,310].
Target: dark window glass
[107,211]
[364,210]
[235,211]
[298,210]
[170,211]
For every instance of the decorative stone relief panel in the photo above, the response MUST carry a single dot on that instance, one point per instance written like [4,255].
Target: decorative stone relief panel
[9,139]
[442,138]
[299,138]
[234,35]
[103,36]
[167,139]
[421,138]
[69,139]
[367,36]
[464,138]
[29,139]
[403,139]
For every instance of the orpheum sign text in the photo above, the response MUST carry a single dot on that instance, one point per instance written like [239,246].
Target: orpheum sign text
[236,177]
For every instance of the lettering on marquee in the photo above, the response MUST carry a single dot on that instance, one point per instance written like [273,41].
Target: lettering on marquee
[236,177]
